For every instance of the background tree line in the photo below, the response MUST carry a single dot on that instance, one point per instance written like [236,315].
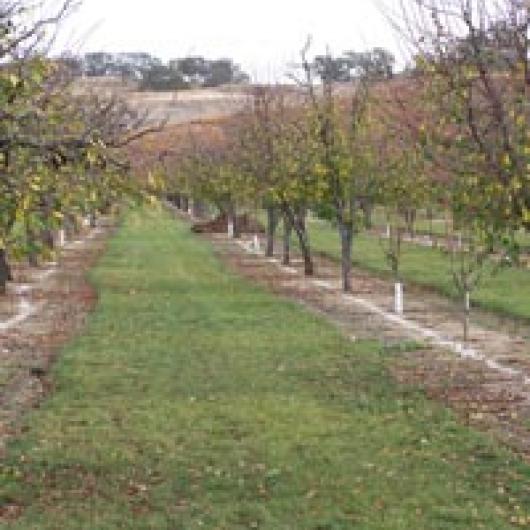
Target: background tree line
[151,73]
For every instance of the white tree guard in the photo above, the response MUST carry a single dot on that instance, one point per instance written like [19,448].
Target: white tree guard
[257,246]
[398,298]
[61,237]
[231,228]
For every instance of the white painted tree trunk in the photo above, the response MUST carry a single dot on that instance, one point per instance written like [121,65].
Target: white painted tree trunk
[231,228]
[467,310]
[61,237]
[190,207]
[387,234]
[86,222]
[257,246]
[398,298]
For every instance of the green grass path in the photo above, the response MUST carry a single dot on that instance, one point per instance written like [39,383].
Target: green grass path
[197,401]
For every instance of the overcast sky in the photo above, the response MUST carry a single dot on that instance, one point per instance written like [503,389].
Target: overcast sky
[262,36]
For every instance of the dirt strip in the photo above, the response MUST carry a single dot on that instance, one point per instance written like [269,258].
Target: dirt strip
[489,390]
[45,308]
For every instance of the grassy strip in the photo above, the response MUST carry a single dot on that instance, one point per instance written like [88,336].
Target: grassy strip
[422,225]
[197,401]
[506,292]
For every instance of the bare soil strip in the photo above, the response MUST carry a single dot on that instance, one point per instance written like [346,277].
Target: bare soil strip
[44,308]
[487,384]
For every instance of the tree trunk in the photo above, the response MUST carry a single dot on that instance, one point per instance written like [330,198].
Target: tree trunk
[230,227]
[410,219]
[70,225]
[303,240]
[346,242]
[60,238]
[199,209]
[398,297]
[448,229]
[368,210]
[287,231]
[46,236]
[432,236]
[272,223]
[430,218]
[185,204]
[93,219]
[5,272]
[33,257]
[237,228]
[309,268]
[467,311]
[233,226]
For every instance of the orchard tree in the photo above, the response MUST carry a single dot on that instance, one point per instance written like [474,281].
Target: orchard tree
[341,167]
[279,158]
[473,68]
[207,164]
[21,76]
[220,176]
[260,139]
[295,182]
[60,153]
[397,167]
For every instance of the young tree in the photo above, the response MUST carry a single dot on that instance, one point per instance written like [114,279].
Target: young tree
[398,170]
[260,140]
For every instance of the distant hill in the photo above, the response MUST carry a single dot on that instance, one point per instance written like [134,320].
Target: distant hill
[177,107]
